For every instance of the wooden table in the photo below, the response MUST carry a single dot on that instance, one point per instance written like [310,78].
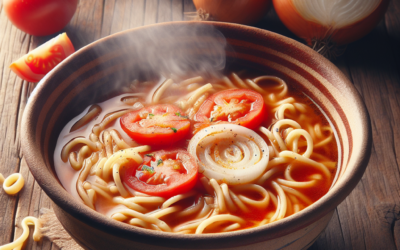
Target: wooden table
[368,218]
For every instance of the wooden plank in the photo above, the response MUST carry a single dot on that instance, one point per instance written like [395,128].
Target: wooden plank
[137,13]
[32,198]
[107,18]
[151,12]
[392,23]
[121,19]
[177,10]
[122,15]
[123,8]
[86,25]
[392,20]
[164,12]
[188,7]
[369,214]
[332,237]
[13,44]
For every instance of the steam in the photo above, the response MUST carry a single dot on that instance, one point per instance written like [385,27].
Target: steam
[189,49]
[152,54]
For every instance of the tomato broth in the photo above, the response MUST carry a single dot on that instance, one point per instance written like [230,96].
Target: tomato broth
[128,145]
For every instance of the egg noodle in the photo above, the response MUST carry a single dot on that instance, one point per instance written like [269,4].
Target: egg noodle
[13,183]
[246,172]
[19,243]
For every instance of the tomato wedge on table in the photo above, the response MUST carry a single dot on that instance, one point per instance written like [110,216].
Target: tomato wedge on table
[163,173]
[37,63]
[157,125]
[237,106]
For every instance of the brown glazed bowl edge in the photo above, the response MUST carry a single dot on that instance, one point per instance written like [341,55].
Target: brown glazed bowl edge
[62,199]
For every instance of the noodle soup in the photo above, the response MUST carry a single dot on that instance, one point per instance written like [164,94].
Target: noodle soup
[199,155]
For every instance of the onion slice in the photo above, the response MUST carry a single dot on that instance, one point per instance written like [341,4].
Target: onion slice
[230,153]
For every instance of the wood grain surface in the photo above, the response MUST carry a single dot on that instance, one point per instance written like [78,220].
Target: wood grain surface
[367,219]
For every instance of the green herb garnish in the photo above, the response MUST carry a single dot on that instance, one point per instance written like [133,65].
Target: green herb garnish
[179,114]
[174,129]
[148,169]
[151,115]
[159,162]
[149,155]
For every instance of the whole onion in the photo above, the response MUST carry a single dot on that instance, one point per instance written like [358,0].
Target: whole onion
[338,22]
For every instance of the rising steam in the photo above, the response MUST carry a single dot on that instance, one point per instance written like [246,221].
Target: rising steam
[190,49]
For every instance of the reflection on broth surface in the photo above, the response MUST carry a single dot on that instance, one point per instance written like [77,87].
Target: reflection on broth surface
[199,155]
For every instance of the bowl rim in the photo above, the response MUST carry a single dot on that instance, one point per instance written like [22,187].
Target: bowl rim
[253,235]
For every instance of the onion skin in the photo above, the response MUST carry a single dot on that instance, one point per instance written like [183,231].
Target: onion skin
[234,11]
[309,30]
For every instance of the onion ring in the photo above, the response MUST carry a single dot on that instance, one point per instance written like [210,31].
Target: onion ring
[230,153]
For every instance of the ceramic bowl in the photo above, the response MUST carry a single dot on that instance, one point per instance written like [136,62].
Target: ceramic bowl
[96,72]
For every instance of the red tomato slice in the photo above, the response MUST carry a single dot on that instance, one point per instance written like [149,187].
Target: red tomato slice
[162,124]
[163,173]
[37,63]
[238,106]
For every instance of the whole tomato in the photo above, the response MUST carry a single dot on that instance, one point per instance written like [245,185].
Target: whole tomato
[40,17]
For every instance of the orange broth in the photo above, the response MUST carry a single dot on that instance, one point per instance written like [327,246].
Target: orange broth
[300,172]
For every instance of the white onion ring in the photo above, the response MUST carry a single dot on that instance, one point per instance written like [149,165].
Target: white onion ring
[230,153]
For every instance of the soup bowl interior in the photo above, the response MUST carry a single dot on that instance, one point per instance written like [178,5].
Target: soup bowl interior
[105,68]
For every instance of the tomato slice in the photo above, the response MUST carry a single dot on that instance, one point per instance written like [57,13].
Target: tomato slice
[157,125]
[37,63]
[237,106]
[163,173]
